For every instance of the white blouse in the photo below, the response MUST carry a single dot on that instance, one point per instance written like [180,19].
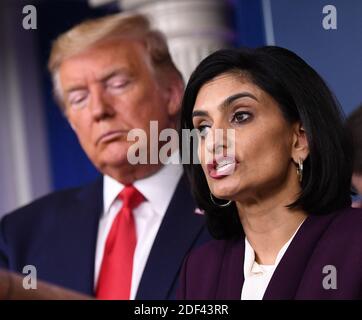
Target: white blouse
[257,276]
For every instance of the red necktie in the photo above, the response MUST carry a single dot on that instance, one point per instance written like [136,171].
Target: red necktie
[114,282]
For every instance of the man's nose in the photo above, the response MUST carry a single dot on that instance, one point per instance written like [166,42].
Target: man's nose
[101,105]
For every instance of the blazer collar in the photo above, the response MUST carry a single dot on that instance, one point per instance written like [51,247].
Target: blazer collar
[81,221]
[232,273]
[289,272]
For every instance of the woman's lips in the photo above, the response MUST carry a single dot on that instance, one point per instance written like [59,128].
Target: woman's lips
[221,167]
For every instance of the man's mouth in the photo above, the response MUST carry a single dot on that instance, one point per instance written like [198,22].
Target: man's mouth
[111,135]
[221,167]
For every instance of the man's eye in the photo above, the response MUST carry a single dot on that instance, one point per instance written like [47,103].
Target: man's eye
[77,100]
[117,84]
[241,116]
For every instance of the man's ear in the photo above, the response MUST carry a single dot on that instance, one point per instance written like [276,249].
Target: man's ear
[175,89]
[69,121]
[71,125]
[300,147]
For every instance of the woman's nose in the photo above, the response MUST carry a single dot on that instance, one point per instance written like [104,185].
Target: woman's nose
[214,146]
[219,140]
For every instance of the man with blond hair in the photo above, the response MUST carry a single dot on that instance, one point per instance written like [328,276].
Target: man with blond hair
[125,235]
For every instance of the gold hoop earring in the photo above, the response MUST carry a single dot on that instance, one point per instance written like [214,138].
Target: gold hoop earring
[220,205]
[300,169]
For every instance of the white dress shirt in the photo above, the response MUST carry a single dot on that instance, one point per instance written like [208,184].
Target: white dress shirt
[257,276]
[158,190]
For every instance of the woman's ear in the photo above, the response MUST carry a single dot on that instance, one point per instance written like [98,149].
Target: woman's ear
[300,147]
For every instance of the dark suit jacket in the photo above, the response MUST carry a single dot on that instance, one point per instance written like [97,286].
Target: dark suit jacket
[215,270]
[58,234]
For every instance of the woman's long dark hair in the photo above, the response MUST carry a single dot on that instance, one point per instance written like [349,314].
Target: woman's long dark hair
[302,96]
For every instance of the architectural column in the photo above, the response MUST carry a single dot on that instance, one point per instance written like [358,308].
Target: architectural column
[194,28]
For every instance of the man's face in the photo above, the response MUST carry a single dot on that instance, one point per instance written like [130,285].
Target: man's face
[109,90]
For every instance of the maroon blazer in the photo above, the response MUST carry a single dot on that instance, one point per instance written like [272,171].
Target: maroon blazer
[215,270]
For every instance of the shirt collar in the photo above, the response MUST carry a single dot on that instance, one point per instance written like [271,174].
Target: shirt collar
[158,188]
[252,267]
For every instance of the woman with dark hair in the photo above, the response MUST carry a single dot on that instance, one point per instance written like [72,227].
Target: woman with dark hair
[354,128]
[279,204]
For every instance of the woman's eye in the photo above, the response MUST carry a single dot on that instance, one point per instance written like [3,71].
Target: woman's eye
[241,116]
[203,129]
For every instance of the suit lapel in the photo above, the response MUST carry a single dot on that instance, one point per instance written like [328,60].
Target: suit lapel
[177,233]
[289,272]
[232,271]
[79,226]
[287,276]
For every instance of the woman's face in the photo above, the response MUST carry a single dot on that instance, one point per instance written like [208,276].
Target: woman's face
[261,163]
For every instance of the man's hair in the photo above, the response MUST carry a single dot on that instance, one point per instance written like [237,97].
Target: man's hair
[113,27]
[302,96]
[354,128]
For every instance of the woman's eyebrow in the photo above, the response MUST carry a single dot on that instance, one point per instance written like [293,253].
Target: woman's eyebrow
[199,113]
[229,100]
[226,103]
